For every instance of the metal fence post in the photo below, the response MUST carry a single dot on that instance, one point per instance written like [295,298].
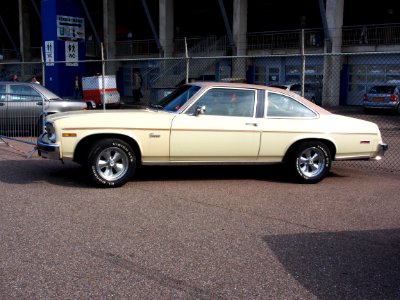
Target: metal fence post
[187,62]
[103,69]
[303,64]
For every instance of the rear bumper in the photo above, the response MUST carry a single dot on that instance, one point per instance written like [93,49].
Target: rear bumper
[382,148]
[380,105]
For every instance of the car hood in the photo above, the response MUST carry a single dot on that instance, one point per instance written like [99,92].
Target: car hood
[138,118]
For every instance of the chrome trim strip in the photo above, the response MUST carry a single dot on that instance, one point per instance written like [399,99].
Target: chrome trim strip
[112,128]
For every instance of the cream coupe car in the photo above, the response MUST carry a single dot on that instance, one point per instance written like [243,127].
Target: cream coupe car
[211,123]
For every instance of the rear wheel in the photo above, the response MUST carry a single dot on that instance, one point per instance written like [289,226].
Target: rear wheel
[111,163]
[310,162]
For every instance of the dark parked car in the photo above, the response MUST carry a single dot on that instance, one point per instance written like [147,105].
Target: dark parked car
[23,104]
[296,87]
[385,96]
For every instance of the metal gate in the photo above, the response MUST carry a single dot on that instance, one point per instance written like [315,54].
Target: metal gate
[21,114]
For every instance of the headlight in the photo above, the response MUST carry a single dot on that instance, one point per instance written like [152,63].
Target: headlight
[51,132]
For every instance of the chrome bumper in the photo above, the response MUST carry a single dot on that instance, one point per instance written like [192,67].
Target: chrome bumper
[46,149]
[382,148]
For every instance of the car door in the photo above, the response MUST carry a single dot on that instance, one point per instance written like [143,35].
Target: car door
[285,121]
[24,107]
[225,131]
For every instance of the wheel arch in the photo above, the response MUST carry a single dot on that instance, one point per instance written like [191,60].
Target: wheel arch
[82,149]
[331,146]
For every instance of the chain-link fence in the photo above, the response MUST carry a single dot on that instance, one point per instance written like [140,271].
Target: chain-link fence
[21,107]
[337,82]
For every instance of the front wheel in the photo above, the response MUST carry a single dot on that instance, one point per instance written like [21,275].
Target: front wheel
[310,162]
[111,163]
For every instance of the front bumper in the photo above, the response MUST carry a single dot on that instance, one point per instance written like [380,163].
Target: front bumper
[47,149]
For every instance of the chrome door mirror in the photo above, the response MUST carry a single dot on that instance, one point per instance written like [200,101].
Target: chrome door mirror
[200,110]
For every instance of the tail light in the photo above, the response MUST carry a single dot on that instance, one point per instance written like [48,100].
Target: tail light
[394,98]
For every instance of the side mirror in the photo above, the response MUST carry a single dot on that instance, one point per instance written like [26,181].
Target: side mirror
[200,110]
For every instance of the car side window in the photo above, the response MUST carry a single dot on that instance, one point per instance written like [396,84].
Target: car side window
[2,92]
[226,102]
[23,93]
[283,106]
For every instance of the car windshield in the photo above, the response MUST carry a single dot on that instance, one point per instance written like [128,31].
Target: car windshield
[174,101]
[49,95]
[382,89]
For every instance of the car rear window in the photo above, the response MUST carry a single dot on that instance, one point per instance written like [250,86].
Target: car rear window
[382,89]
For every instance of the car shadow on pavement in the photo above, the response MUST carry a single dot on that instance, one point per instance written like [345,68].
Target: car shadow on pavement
[72,174]
[39,170]
[273,173]
[342,265]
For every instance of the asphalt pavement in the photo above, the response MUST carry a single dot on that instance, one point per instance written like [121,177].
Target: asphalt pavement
[196,233]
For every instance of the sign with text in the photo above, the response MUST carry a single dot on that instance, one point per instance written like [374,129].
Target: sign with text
[49,52]
[71,54]
[70,28]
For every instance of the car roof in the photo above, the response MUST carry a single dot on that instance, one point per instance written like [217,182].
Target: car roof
[210,84]
[43,90]
[17,82]
[243,85]
[393,81]
[226,84]
[234,85]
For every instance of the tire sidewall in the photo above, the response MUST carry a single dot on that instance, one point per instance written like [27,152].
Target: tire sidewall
[327,164]
[94,153]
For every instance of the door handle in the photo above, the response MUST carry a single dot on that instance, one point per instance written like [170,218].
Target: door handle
[1,104]
[252,124]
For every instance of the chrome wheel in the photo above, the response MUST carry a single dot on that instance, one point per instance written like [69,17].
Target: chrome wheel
[112,164]
[311,162]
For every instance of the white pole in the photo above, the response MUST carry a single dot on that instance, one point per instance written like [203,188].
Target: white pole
[43,67]
[102,77]
[303,68]
[187,61]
